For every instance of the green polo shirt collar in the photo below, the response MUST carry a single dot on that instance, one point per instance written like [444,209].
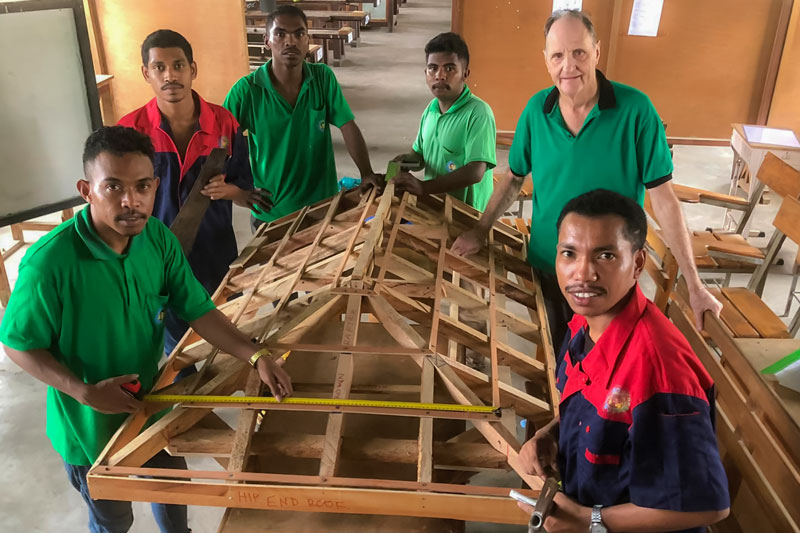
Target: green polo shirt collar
[96,245]
[263,79]
[460,101]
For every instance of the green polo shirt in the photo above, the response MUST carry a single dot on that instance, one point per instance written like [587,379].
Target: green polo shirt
[621,146]
[463,134]
[291,152]
[101,315]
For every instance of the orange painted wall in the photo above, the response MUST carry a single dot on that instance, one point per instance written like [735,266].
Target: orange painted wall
[705,70]
[215,29]
[707,67]
[785,109]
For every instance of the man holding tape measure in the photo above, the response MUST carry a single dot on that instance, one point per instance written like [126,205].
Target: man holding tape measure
[634,442]
[87,316]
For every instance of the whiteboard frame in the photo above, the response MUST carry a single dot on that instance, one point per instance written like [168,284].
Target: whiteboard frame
[93,99]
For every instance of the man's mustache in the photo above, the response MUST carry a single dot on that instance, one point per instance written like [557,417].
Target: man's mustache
[130,214]
[169,85]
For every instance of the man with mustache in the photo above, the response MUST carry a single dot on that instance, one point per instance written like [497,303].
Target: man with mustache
[634,444]
[287,107]
[457,135]
[583,133]
[87,316]
[184,129]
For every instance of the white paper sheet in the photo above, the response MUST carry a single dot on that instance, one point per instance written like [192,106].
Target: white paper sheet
[763,135]
[645,17]
[789,377]
[567,4]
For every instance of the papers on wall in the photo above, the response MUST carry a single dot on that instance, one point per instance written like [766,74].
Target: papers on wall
[567,4]
[645,17]
[776,136]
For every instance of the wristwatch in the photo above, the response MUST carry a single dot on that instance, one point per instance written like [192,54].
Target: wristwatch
[597,526]
[256,356]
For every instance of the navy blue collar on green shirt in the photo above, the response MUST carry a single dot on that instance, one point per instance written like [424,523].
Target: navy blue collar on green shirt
[96,245]
[607,98]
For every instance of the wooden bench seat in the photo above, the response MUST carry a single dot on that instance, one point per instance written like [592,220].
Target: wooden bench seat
[724,253]
[747,316]
[333,39]
[693,195]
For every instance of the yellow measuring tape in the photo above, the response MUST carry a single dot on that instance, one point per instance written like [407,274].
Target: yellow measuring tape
[330,402]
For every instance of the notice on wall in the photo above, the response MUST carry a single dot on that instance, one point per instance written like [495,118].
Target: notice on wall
[774,136]
[567,4]
[645,17]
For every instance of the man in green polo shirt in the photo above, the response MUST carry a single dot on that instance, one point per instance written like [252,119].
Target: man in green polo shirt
[584,133]
[87,315]
[287,107]
[457,135]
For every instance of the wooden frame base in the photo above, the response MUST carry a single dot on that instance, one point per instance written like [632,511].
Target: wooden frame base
[380,312]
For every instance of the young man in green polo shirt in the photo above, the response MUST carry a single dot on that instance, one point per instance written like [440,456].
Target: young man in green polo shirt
[87,315]
[586,132]
[287,107]
[457,135]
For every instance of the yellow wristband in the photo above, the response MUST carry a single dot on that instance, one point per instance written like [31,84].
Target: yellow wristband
[256,356]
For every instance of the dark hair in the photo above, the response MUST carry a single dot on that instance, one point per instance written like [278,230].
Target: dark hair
[118,141]
[450,43]
[286,10]
[571,13]
[602,202]
[166,39]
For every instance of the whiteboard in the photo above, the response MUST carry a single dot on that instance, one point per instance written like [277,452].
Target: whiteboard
[47,108]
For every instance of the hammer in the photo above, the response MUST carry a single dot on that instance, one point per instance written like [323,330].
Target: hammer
[544,504]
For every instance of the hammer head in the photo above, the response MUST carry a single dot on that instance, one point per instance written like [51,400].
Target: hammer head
[544,504]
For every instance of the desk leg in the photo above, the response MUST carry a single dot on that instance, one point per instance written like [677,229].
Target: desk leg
[390,15]
[5,286]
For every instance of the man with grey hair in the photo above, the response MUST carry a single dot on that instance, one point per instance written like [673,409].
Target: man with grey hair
[586,132]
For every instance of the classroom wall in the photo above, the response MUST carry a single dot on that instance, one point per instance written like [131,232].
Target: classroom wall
[785,109]
[705,70]
[215,29]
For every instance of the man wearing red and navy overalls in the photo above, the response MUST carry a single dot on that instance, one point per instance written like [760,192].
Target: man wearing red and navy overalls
[634,444]
[184,129]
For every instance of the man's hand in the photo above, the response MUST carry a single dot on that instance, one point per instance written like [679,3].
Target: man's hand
[567,515]
[218,189]
[538,455]
[108,396]
[255,199]
[469,242]
[372,180]
[405,182]
[701,301]
[276,378]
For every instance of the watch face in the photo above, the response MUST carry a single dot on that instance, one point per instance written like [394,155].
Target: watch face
[598,528]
